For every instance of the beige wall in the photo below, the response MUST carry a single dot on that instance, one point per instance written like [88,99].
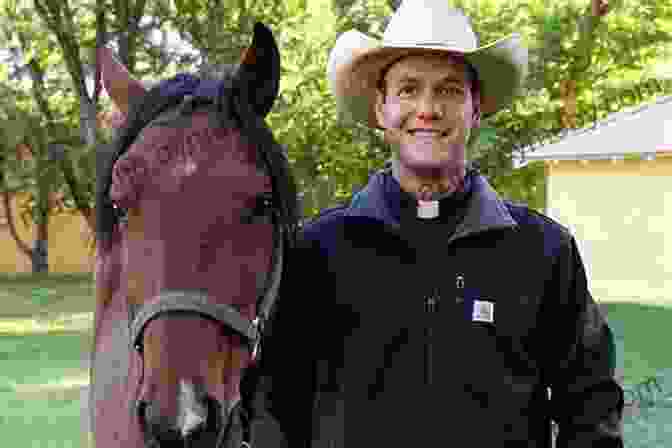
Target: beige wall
[621,215]
[69,237]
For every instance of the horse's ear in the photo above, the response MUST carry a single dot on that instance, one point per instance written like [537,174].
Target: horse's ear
[260,70]
[118,82]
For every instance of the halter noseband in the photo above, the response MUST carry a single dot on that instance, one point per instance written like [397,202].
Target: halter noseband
[196,302]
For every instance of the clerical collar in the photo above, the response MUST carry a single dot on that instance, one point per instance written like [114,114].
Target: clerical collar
[401,202]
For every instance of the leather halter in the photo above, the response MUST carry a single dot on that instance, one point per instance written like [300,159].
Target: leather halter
[196,301]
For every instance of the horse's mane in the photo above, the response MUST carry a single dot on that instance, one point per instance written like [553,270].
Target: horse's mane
[231,104]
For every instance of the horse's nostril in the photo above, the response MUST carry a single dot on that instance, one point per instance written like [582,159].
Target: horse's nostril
[141,412]
[156,427]
[214,421]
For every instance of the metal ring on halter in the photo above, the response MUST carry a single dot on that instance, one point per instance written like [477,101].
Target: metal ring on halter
[256,348]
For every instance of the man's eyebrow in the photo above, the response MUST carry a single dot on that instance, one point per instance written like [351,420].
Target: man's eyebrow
[446,80]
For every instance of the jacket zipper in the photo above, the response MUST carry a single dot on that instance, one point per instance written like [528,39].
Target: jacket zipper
[431,304]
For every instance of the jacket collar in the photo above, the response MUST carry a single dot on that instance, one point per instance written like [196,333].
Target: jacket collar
[380,199]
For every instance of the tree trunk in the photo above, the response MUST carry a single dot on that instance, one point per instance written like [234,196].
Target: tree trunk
[57,15]
[39,254]
[9,213]
[568,113]
[588,24]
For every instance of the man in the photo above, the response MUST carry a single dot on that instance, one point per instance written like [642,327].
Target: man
[429,311]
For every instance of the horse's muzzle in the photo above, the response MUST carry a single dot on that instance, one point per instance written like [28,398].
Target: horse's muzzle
[198,423]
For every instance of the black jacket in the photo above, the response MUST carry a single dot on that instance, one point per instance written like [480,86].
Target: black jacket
[393,332]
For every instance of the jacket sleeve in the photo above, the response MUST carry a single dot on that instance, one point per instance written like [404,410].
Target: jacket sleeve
[586,401]
[284,381]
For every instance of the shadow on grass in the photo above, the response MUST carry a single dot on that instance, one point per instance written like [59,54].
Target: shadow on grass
[42,382]
[45,339]
[642,350]
[43,295]
[44,278]
[645,364]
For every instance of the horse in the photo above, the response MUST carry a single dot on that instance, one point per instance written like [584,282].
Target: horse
[196,205]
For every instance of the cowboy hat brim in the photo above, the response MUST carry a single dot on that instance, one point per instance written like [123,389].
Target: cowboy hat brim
[357,60]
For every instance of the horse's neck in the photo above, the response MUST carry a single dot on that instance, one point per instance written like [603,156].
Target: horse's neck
[108,278]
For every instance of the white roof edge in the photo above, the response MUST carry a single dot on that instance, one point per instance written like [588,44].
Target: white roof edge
[520,161]
[664,101]
[584,156]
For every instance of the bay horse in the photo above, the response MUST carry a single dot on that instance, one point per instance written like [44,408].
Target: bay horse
[196,205]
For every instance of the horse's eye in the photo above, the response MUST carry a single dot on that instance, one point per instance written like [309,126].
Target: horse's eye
[260,210]
[121,214]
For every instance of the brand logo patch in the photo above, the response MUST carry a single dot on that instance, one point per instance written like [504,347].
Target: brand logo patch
[483,311]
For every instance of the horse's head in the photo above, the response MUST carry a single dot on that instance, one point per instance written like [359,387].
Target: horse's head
[198,199]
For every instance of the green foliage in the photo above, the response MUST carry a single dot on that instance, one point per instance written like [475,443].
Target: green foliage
[610,59]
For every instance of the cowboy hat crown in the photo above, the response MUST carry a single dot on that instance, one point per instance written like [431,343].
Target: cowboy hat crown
[356,62]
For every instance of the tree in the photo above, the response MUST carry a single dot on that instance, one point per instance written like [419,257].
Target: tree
[59,17]
[33,123]
[25,167]
[587,57]
[586,60]
[65,131]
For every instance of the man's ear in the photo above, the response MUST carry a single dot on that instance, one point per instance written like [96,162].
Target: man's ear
[476,120]
[476,123]
[118,82]
[259,70]
[378,106]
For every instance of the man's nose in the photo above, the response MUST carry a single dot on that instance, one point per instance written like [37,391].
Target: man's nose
[428,109]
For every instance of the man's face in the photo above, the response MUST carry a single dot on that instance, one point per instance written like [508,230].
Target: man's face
[428,111]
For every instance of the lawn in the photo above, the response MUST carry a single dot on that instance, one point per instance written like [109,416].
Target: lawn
[45,334]
[45,337]
[643,356]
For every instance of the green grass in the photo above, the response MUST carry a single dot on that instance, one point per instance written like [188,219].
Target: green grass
[645,351]
[642,340]
[45,334]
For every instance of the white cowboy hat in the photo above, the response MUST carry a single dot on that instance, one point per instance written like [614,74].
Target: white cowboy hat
[356,61]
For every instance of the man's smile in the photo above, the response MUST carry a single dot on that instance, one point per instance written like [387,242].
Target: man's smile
[427,133]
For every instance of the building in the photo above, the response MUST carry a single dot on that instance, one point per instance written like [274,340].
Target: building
[611,185]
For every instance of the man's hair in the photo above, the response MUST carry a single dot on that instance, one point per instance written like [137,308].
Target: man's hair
[472,77]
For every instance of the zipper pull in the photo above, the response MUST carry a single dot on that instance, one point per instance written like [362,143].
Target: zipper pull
[431,302]
[459,284]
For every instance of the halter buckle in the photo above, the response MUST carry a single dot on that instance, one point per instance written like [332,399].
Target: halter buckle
[256,347]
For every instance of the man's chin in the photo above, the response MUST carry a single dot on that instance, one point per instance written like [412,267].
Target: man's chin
[423,164]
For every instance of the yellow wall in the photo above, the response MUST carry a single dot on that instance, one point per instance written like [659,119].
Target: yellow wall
[68,250]
[621,215]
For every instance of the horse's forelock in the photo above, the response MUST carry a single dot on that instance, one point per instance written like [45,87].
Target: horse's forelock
[138,117]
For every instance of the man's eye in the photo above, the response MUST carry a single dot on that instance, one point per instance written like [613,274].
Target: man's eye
[452,91]
[407,90]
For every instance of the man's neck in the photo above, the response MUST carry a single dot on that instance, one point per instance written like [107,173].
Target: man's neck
[428,188]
